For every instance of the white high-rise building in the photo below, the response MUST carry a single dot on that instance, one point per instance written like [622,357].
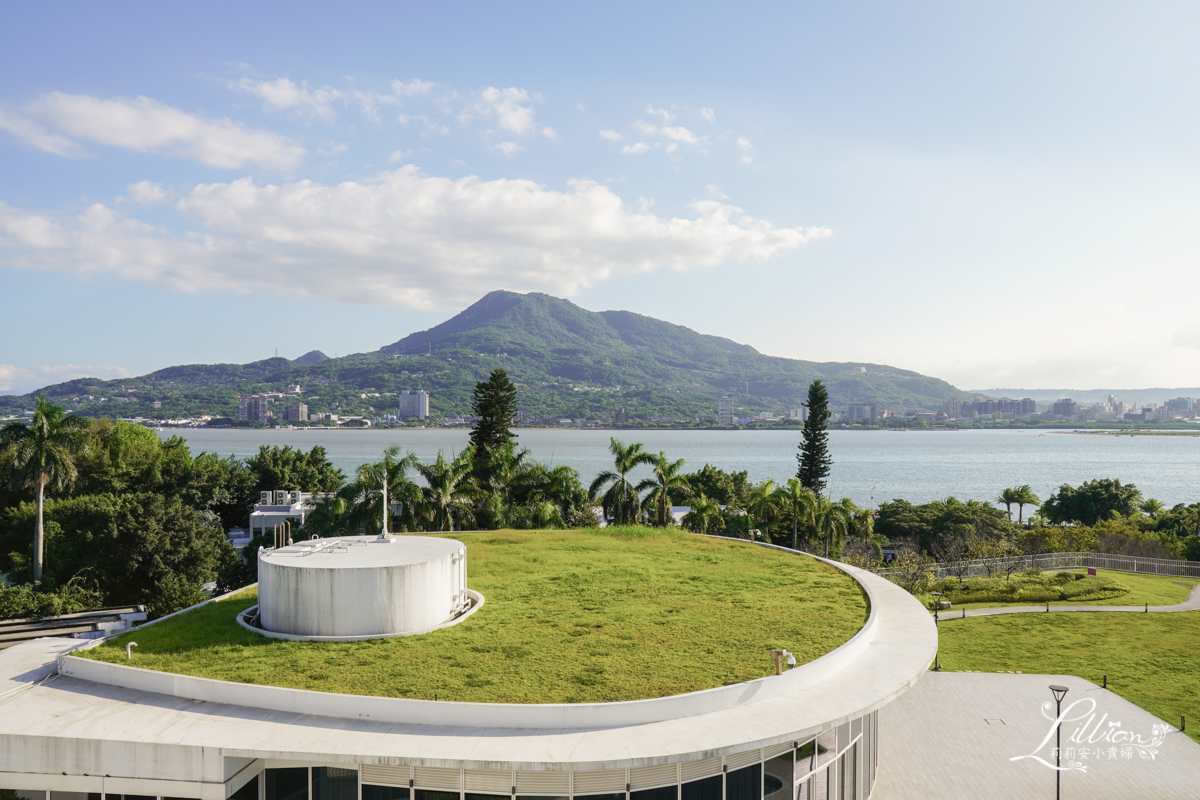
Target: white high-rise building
[413,405]
[725,411]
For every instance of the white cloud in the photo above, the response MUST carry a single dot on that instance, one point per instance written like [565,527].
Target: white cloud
[34,134]
[402,239]
[746,148]
[507,148]
[611,136]
[707,114]
[283,93]
[662,113]
[511,108]
[22,380]
[147,193]
[398,155]
[146,125]
[636,149]
[681,135]
[415,86]
[550,134]
[715,192]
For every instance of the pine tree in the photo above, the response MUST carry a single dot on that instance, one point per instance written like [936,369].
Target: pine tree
[814,460]
[495,403]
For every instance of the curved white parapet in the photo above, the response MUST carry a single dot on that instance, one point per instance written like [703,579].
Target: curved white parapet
[362,586]
[890,653]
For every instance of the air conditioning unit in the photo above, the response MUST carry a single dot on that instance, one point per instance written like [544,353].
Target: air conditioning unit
[264,498]
[281,498]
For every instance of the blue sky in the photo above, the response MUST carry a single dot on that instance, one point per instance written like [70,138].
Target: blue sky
[998,195]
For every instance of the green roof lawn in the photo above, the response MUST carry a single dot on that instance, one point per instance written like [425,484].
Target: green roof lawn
[570,617]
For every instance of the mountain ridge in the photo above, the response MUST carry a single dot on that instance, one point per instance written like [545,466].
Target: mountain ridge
[566,361]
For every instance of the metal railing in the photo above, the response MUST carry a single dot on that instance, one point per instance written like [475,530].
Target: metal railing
[992,566]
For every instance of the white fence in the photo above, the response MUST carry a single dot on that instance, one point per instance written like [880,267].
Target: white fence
[992,566]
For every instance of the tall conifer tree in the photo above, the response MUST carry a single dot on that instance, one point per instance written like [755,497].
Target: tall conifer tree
[495,403]
[814,460]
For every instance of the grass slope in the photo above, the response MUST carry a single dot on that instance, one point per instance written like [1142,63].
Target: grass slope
[571,616]
[1156,590]
[1150,659]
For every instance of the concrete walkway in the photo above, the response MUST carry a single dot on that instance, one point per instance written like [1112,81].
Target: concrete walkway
[955,735]
[1191,604]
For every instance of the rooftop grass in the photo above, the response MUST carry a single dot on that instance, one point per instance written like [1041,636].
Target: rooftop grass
[1150,659]
[570,617]
[1107,588]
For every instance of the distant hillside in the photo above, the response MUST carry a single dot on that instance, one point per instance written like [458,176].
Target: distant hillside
[566,361]
[311,357]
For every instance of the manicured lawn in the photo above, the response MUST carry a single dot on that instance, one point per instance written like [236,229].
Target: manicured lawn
[1157,590]
[571,616]
[1150,659]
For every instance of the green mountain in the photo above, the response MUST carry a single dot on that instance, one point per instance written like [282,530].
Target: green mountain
[566,361]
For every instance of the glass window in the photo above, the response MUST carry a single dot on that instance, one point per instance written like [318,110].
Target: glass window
[22,794]
[431,794]
[471,796]
[334,783]
[249,791]
[181,798]
[826,747]
[620,796]
[703,789]
[384,792]
[286,784]
[744,784]
[778,777]
[546,797]
[661,793]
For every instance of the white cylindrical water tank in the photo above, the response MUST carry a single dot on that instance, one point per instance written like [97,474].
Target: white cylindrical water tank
[361,586]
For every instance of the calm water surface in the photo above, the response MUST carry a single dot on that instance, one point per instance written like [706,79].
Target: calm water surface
[868,466]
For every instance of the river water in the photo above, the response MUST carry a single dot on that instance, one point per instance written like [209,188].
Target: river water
[868,466]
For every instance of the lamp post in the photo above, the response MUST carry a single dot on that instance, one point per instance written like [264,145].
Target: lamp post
[1059,693]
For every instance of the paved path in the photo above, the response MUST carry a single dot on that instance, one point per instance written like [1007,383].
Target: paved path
[953,735]
[1191,604]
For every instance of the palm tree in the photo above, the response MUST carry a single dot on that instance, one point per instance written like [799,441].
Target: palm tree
[704,510]
[367,490]
[449,493]
[1151,506]
[1008,497]
[1025,497]
[41,457]
[801,502]
[667,480]
[763,504]
[620,502]
[830,522]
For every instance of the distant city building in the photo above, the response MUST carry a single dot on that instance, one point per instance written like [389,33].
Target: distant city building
[952,407]
[1065,408]
[622,416]
[254,408]
[861,411]
[1185,405]
[413,405]
[725,411]
[296,412]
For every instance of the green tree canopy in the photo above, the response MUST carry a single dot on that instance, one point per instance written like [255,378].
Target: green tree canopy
[814,460]
[142,549]
[41,456]
[494,401]
[1092,502]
